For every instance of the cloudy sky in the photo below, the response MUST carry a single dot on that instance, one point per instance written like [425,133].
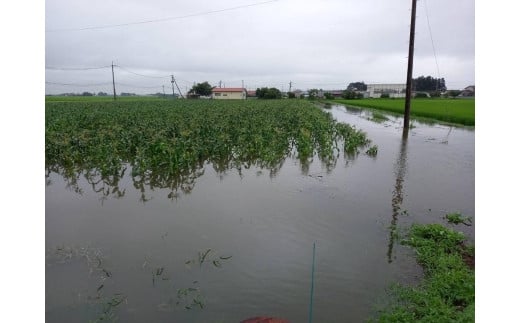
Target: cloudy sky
[313,44]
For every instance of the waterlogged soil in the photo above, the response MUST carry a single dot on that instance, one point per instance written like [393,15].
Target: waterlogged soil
[238,244]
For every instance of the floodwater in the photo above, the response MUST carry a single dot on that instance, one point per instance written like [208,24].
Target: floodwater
[239,244]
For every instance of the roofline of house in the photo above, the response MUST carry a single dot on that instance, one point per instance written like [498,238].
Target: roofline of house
[229,89]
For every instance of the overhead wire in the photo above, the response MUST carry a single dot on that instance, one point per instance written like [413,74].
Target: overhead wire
[75,68]
[161,19]
[137,86]
[150,76]
[255,83]
[74,84]
[431,38]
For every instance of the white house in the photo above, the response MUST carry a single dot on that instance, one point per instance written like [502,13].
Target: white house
[393,90]
[228,93]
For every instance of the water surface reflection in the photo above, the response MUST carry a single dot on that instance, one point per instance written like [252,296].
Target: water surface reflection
[397,195]
[265,219]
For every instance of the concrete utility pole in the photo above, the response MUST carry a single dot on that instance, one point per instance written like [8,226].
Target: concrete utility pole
[290,86]
[164,94]
[173,89]
[409,73]
[113,81]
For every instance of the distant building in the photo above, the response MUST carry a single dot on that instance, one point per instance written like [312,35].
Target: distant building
[298,93]
[228,93]
[468,91]
[251,93]
[336,93]
[393,90]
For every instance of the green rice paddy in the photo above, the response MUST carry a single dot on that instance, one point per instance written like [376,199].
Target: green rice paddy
[459,111]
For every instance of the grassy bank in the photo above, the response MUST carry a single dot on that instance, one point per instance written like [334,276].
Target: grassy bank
[459,111]
[447,293]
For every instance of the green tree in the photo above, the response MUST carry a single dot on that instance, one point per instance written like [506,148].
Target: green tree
[313,94]
[203,88]
[351,94]
[328,96]
[357,86]
[428,84]
[268,93]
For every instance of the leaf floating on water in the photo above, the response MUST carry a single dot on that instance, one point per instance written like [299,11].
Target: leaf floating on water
[108,273]
[225,258]
[182,293]
[115,301]
[202,256]
[159,271]
[216,263]
[100,287]
[196,301]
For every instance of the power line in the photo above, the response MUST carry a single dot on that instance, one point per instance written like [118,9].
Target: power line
[74,84]
[139,87]
[151,76]
[431,38]
[76,68]
[161,19]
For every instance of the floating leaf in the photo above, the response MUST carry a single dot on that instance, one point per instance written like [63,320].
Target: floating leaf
[225,258]
[202,256]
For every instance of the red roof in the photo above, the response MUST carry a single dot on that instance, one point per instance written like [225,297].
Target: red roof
[228,89]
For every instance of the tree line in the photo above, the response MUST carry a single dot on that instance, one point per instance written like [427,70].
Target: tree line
[432,86]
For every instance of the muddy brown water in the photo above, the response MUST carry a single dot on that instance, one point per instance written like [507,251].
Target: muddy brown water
[144,261]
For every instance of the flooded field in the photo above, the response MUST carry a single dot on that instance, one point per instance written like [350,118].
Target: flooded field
[238,243]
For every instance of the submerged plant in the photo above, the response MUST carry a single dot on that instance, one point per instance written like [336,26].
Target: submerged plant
[190,298]
[378,117]
[167,144]
[457,218]
[372,151]
[108,308]
[216,260]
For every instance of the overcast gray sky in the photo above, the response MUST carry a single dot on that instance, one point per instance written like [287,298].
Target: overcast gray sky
[315,44]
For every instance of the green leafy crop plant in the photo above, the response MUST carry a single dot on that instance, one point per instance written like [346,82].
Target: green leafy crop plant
[168,139]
